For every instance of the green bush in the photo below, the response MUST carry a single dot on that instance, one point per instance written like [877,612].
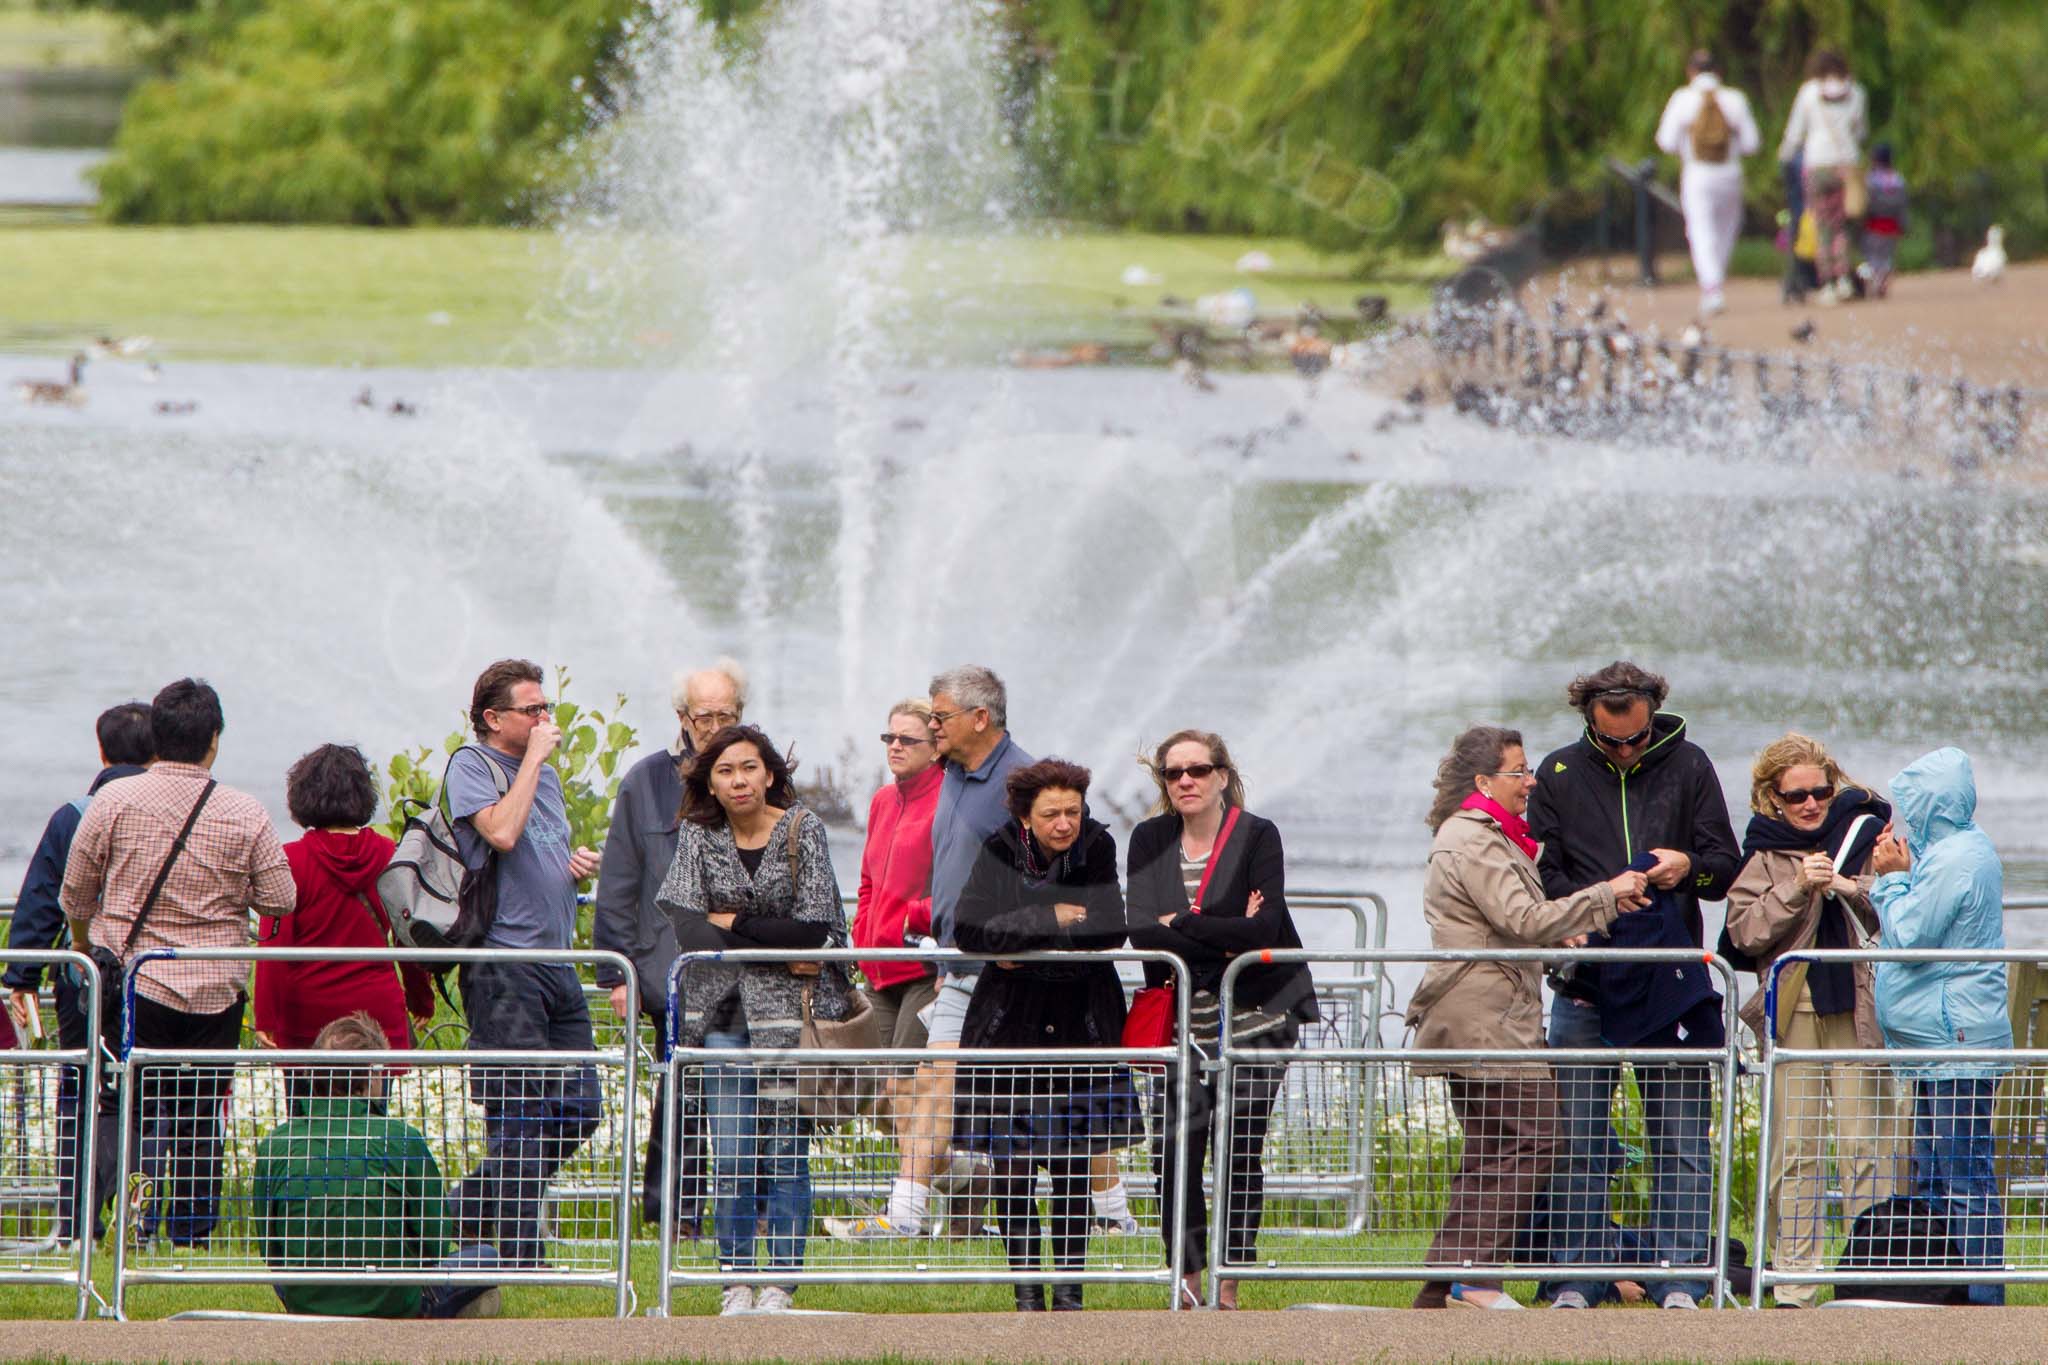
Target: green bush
[376,112]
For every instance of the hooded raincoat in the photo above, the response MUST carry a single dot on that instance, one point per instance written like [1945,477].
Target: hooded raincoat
[1950,898]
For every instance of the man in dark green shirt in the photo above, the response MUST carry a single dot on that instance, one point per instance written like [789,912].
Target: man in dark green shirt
[340,1186]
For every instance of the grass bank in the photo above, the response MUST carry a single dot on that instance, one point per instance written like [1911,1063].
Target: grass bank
[484,296]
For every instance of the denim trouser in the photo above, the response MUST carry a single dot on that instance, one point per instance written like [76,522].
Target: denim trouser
[535,1117]
[1953,1168]
[760,1163]
[1677,1110]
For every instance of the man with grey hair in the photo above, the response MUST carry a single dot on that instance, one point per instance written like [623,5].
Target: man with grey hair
[637,852]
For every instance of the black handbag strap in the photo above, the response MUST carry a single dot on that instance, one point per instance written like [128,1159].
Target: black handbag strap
[163,873]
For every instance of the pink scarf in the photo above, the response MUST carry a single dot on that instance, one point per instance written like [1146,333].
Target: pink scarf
[1511,824]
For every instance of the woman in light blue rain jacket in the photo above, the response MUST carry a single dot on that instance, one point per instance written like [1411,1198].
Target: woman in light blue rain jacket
[1944,889]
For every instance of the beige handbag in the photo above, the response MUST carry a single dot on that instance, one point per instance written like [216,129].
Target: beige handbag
[833,1095]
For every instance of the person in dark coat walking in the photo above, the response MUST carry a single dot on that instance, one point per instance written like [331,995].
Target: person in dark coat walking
[1044,883]
[1208,882]
[127,747]
[1634,791]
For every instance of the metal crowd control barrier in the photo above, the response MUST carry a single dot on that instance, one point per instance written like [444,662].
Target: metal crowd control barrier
[1051,1084]
[1416,1127]
[1903,1121]
[203,1120]
[47,1146]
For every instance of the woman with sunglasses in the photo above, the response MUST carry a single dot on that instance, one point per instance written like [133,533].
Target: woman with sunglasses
[895,910]
[1483,891]
[1208,881]
[1805,883]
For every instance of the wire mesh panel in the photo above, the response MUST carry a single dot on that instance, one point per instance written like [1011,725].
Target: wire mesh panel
[1008,1149]
[1580,1167]
[47,1139]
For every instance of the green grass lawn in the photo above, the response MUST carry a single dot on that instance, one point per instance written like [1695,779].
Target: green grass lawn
[33,35]
[449,296]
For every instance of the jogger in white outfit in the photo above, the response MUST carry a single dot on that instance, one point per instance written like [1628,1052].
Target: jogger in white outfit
[1710,191]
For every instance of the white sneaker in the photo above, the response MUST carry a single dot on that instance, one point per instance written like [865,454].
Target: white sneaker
[1711,303]
[772,1298]
[737,1299]
[1569,1298]
[876,1228]
[1680,1299]
[1126,1226]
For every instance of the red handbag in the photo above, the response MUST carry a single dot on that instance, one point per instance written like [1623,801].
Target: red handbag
[1149,1021]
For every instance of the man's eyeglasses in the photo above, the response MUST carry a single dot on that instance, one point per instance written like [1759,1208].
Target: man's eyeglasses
[890,740]
[533,712]
[1198,771]
[1619,741]
[939,718]
[1820,795]
[718,718]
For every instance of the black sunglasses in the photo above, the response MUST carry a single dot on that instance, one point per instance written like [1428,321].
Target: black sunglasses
[1823,793]
[1198,771]
[891,740]
[1619,741]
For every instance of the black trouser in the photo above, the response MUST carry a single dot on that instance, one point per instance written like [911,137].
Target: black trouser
[1017,1210]
[1242,1190]
[689,1140]
[535,1117]
[75,1034]
[176,1142]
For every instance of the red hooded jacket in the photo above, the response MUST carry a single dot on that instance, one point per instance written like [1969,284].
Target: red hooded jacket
[896,874]
[295,1000]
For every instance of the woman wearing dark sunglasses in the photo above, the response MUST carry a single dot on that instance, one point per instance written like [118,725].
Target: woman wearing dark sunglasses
[1208,880]
[1805,883]
[895,911]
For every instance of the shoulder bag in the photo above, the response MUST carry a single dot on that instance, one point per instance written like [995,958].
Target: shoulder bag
[831,1095]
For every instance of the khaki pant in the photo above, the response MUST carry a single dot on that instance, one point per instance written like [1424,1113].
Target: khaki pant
[1865,1142]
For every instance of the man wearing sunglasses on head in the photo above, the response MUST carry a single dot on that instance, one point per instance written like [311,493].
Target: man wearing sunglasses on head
[1634,792]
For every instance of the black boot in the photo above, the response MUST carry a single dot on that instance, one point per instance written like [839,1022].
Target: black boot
[1031,1298]
[1066,1298]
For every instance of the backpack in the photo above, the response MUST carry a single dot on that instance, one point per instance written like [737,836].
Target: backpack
[433,898]
[1711,135]
[1902,1233]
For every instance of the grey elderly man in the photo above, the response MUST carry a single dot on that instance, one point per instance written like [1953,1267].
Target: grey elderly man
[637,853]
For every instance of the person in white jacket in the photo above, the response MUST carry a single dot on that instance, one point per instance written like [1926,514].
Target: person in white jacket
[1825,134]
[1709,128]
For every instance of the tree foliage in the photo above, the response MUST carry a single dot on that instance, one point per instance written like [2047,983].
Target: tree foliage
[1345,121]
[377,112]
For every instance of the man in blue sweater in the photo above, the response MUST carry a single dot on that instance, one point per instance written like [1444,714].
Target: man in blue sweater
[126,747]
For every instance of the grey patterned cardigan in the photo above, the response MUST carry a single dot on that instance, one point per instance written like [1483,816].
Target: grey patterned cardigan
[707,877]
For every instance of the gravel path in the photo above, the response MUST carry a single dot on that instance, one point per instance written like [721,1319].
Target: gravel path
[1849,1336]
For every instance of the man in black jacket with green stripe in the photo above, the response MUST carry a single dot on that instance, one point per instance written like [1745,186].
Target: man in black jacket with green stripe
[1633,787]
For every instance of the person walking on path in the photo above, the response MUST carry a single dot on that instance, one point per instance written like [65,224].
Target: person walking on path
[170,858]
[511,823]
[1635,791]
[626,920]
[1830,120]
[1482,891]
[1709,128]
[1940,885]
[1805,883]
[126,748]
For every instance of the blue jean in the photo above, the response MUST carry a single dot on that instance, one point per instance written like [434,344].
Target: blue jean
[1677,1110]
[1953,1168]
[446,1300]
[760,1163]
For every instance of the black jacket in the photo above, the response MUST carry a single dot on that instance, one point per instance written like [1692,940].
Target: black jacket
[1593,819]
[1000,910]
[637,854]
[1252,860]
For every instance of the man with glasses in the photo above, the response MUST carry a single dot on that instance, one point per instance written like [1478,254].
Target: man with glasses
[1634,792]
[637,852]
[512,823]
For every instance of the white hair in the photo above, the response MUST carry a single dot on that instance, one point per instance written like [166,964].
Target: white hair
[726,667]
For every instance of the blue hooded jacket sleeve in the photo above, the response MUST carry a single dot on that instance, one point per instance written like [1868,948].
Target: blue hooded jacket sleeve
[1951,897]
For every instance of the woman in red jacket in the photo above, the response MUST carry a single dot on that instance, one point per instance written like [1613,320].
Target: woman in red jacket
[331,795]
[896,911]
